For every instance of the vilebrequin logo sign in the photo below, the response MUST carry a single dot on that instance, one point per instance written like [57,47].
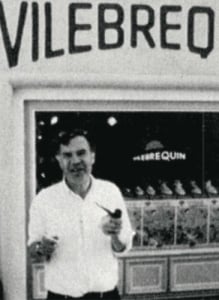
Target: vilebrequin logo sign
[154,151]
[115,25]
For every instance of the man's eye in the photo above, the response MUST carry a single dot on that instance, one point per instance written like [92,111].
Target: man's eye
[67,155]
[81,152]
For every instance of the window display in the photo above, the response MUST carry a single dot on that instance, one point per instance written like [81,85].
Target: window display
[163,223]
[166,165]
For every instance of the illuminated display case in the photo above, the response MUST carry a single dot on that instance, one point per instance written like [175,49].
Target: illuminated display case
[166,165]
[175,223]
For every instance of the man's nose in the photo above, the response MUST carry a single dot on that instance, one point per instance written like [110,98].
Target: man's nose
[75,159]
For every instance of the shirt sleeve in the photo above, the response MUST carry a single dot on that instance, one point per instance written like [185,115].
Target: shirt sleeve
[36,226]
[127,233]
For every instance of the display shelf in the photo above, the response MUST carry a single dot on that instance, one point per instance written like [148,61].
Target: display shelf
[148,275]
[194,273]
[172,275]
[174,223]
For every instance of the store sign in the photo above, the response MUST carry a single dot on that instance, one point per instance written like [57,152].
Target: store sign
[160,156]
[111,25]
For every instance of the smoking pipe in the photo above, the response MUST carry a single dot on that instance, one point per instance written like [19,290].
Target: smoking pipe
[116,214]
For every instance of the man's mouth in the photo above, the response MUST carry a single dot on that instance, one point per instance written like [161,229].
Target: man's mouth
[77,171]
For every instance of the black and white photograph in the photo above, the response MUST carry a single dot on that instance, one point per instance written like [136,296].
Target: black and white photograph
[109,150]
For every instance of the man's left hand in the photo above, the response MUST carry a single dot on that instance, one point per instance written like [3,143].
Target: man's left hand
[111,226]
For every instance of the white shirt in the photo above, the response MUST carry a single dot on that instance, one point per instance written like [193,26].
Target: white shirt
[83,260]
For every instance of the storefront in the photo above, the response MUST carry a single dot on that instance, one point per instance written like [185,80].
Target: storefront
[143,77]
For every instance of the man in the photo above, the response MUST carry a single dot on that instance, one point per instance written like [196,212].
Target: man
[72,225]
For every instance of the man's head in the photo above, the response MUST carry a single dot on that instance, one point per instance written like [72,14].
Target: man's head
[75,156]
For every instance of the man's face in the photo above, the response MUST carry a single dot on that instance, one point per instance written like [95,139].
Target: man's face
[76,160]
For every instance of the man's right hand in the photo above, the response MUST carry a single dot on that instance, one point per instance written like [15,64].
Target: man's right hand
[43,249]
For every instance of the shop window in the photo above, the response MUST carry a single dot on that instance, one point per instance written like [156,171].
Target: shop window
[165,163]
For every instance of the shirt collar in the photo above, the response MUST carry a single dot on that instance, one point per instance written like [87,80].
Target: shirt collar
[68,190]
